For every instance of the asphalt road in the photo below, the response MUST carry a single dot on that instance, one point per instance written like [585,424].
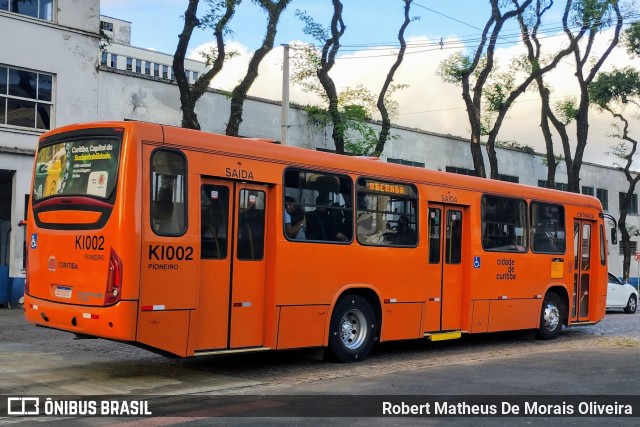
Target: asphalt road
[594,366]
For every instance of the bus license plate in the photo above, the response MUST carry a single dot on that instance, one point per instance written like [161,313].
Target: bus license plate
[63,292]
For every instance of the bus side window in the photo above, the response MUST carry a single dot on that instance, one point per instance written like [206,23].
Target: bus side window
[214,210]
[386,213]
[323,201]
[504,224]
[547,228]
[168,216]
[251,225]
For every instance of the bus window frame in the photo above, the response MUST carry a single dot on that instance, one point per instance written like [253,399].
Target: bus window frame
[526,226]
[80,135]
[562,206]
[185,192]
[413,197]
[313,205]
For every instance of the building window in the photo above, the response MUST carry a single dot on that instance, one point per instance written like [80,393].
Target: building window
[589,191]
[147,68]
[156,70]
[632,209]
[562,186]
[139,66]
[603,196]
[405,162]
[103,60]
[165,71]
[129,64]
[25,98]
[195,76]
[632,245]
[42,9]
[106,26]
[114,61]
[461,171]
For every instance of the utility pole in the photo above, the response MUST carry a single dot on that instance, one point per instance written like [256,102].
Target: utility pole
[284,120]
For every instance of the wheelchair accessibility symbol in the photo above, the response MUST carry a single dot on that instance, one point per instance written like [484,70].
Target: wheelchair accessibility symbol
[476,262]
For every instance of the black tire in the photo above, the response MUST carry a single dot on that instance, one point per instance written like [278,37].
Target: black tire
[632,305]
[552,316]
[352,329]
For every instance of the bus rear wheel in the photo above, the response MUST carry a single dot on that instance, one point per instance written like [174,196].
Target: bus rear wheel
[551,317]
[352,329]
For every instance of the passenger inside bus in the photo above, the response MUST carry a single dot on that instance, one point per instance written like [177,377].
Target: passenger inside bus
[403,233]
[318,221]
[164,221]
[294,222]
[251,226]
[542,242]
[336,223]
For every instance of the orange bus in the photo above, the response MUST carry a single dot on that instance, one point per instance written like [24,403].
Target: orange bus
[192,243]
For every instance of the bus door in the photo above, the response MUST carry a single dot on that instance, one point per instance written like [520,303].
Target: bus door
[582,246]
[444,278]
[232,265]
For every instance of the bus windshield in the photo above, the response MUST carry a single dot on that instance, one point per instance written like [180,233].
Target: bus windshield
[78,167]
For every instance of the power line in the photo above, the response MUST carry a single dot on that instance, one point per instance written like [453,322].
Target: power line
[464,108]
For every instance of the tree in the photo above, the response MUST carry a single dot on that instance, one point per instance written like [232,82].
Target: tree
[384,134]
[219,16]
[592,16]
[473,72]
[350,109]
[325,62]
[616,92]
[274,10]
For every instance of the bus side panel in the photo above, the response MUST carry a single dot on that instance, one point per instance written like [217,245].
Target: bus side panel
[116,322]
[169,266]
[506,315]
[165,330]
[480,316]
[401,321]
[313,320]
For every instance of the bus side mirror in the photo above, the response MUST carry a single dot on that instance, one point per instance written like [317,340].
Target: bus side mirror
[614,236]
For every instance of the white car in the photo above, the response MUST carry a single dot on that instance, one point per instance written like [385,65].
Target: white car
[621,295]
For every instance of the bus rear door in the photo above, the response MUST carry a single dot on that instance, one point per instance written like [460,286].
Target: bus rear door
[582,253]
[230,304]
[444,291]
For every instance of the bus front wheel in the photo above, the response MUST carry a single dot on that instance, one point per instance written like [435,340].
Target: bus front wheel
[352,329]
[551,317]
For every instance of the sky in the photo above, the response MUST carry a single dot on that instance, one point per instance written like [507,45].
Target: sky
[367,52]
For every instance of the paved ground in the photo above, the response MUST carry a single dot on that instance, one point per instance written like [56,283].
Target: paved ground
[596,360]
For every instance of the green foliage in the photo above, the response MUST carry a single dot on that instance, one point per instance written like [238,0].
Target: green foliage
[557,159]
[105,40]
[360,137]
[618,86]
[452,69]
[514,145]
[568,110]
[632,38]
[312,28]
[620,151]
[498,90]
[592,14]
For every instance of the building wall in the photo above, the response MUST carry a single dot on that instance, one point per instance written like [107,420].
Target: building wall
[66,48]
[84,90]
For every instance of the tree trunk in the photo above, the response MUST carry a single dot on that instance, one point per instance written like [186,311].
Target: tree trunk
[239,94]
[386,121]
